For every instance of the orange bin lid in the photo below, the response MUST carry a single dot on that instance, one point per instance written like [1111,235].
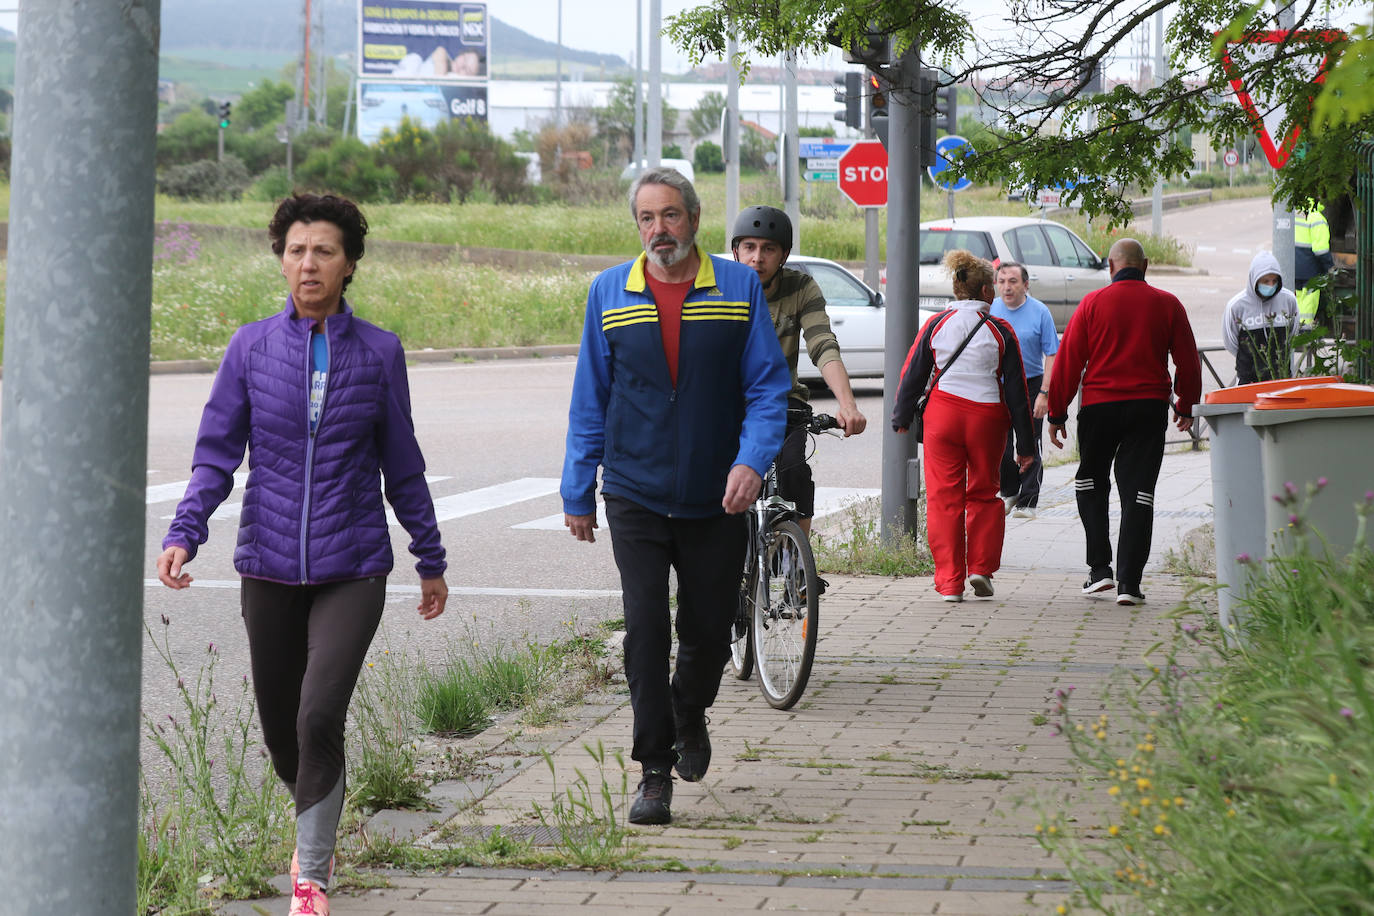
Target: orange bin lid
[1317,396]
[1246,394]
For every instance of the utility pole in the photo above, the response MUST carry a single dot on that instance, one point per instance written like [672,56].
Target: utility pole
[1157,194]
[654,140]
[790,162]
[729,139]
[558,75]
[639,84]
[872,267]
[73,455]
[901,466]
[1283,214]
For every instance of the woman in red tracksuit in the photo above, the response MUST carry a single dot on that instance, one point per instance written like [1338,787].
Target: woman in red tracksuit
[974,398]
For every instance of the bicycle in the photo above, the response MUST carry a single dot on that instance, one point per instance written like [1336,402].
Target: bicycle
[778,611]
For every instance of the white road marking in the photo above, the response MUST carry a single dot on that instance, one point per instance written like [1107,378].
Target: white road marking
[493,497]
[470,590]
[828,501]
[172,492]
[1206,248]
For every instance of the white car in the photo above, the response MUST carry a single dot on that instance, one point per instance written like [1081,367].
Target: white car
[1062,268]
[857,316]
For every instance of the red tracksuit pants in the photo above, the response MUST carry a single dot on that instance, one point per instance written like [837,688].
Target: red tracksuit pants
[965,518]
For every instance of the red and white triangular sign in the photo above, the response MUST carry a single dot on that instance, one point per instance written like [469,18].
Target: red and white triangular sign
[1266,119]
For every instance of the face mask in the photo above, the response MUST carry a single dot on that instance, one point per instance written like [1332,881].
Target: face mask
[1267,290]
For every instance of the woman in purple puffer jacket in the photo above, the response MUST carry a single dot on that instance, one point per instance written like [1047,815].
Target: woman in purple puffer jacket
[320,400]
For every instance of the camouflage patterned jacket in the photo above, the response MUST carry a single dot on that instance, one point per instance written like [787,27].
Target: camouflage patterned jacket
[798,308]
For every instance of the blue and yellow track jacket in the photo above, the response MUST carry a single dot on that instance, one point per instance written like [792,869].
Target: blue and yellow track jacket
[670,449]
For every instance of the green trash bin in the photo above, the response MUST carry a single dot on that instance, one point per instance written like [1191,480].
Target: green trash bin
[1318,435]
[1238,500]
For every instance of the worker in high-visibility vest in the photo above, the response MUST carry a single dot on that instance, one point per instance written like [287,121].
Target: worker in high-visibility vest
[1311,258]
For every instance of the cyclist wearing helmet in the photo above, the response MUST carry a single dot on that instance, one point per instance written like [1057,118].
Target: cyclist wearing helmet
[762,239]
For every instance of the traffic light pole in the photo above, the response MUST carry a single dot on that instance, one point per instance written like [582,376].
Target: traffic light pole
[901,466]
[73,455]
[872,261]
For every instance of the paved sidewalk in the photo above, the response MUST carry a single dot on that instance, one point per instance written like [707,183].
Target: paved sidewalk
[906,781]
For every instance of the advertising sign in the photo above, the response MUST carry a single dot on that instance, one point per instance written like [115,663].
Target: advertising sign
[384,103]
[430,40]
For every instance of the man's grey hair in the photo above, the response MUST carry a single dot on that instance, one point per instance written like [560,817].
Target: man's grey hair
[1007,265]
[673,179]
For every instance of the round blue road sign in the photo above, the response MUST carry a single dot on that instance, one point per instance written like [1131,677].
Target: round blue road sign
[947,149]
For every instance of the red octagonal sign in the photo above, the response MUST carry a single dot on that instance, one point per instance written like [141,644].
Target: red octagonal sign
[863,174]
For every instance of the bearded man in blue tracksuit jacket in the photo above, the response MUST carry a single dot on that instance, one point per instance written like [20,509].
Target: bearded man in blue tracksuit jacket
[680,397]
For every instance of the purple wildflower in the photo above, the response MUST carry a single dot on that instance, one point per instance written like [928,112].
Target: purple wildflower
[1243,558]
[1347,712]
[1321,482]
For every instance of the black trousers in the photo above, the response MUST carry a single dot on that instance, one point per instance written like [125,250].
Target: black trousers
[306,645]
[1025,487]
[708,555]
[795,483]
[1127,436]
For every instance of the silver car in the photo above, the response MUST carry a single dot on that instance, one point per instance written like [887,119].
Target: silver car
[1062,268]
[857,316]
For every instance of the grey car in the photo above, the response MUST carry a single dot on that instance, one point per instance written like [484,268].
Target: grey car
[1062,268]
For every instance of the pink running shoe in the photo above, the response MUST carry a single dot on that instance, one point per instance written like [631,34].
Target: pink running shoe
[308,900]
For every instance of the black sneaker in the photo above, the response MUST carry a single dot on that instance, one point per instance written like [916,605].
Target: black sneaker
[1127,598]
[693,745]
[1103,584]
[654,799]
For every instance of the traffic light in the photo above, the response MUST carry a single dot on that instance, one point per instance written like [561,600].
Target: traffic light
[947,109]
[848,91]
[223,115]
[877,107]
[873,48]
[925,116]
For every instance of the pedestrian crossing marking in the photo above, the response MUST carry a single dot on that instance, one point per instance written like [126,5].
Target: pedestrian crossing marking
[829,500]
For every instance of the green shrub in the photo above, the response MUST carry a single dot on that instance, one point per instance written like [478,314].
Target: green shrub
[206,179]
[349,168]
[708,157]
[1202,180]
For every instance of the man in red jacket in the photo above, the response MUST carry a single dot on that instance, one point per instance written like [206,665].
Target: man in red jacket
[1118,345]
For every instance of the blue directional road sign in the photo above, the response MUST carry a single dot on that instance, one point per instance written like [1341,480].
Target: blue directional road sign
[947,149]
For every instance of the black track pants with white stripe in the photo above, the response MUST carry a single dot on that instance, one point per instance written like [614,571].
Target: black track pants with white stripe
[1128,437]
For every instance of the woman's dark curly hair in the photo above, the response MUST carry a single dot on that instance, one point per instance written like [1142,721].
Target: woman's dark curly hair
[326,208]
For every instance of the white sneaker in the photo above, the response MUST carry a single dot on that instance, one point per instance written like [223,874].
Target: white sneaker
[953,599]
[1023,512]
[981,585]
[1008,503]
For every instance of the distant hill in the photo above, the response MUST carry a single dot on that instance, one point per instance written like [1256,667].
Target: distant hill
[271,26]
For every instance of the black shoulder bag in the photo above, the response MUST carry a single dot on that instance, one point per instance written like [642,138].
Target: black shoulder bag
[918,424]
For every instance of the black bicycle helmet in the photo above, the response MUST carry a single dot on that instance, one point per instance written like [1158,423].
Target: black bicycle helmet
[762,223]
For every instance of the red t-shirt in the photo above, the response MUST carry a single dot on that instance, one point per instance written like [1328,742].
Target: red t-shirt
[669,298]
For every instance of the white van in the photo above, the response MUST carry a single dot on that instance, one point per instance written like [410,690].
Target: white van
[682,165]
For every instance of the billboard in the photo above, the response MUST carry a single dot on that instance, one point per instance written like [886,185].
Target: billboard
[430,40]
[383,103]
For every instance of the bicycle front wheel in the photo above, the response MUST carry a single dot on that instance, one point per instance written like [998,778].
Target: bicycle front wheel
[786,616]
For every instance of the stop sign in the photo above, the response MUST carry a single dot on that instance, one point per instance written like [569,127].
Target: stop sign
[863,174]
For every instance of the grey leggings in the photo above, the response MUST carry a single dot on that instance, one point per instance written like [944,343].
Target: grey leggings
[307,644]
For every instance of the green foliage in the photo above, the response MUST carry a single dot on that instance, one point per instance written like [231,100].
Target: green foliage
[263,105]
[672,151]
[214,809]
[207,179]
[860,549]
[704,119]
[461,699]
[451,162]
[382,745]
[708,158]
[193,136]
[349,168]
[584,818]
[1050,129]
[1236,778]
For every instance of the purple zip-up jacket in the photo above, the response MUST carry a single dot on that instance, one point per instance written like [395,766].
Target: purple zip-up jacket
[312,507]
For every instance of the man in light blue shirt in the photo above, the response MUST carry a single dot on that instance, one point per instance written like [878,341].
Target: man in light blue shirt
[1034,327]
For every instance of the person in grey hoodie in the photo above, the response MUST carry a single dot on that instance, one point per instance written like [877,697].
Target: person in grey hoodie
[1259,324]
